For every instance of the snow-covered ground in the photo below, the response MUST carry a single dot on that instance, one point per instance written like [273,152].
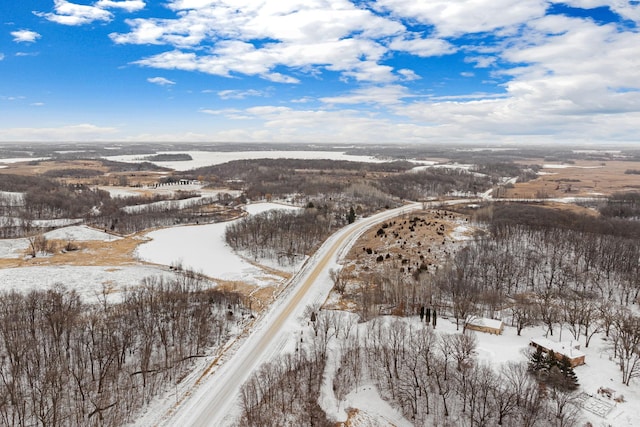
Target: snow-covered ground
[210,158]
[80,233]
[10,160]
[203,248]
[171,204]
[13,248]
[89,281]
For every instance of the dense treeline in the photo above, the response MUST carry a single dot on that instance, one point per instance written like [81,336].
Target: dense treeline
[280,235]
[284,177]
[48,199]
[622,205]
[500,217]
[125,222]
[284,392]
[68,363]
[26,199]
[566,265]
[433,182]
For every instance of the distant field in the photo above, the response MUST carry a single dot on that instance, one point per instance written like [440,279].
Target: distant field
[583,178]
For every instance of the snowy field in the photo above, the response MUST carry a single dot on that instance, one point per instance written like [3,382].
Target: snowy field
[90,282]
[10,160]
[80,233]
[210,158]
[203,248]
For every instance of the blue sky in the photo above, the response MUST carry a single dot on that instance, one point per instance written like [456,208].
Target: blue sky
[436,71]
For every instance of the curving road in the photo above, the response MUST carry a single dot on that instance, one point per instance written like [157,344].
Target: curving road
[214,398]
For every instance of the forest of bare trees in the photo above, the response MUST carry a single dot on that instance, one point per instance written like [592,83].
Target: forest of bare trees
[434,379]
[571,274]
[282,235]
[64,362]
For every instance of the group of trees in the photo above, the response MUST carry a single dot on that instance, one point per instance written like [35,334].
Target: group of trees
[281,235]
[64,362]
[571,273]
[24,200]
[284,392]
[433,379]
[433,182]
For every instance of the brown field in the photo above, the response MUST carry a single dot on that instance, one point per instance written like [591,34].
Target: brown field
[116,252]
[40,167]
[109,178]
[582,179]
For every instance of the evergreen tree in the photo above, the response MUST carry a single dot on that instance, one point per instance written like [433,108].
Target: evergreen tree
[571,379]
[351,216]
[537,361]
[550,361]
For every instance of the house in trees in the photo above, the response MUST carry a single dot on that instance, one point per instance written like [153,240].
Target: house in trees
[483,324]
[570,349]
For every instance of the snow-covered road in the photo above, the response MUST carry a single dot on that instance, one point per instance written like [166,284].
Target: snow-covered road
[213,399]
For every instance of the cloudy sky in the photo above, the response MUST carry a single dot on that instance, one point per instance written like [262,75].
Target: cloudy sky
[434,71]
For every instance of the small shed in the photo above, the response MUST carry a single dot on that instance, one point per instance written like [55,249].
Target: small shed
[570,349]
[483,324]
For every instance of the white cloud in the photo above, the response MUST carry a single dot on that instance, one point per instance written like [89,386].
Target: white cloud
[481,61]
[408,75]
[256,38]
[81,132]
[582,68]
[1,56]
[128,5]
[385,95]
[160,81]
[423,47]
[457,17]
[25,36]
[37,104]
[239,94]
[68,13]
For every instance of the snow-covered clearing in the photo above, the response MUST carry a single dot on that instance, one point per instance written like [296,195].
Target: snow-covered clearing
[88,281]
[13,248]
[203,248]
[373,411]
[10,160]
[171,204]
[210,158]
[80,233]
